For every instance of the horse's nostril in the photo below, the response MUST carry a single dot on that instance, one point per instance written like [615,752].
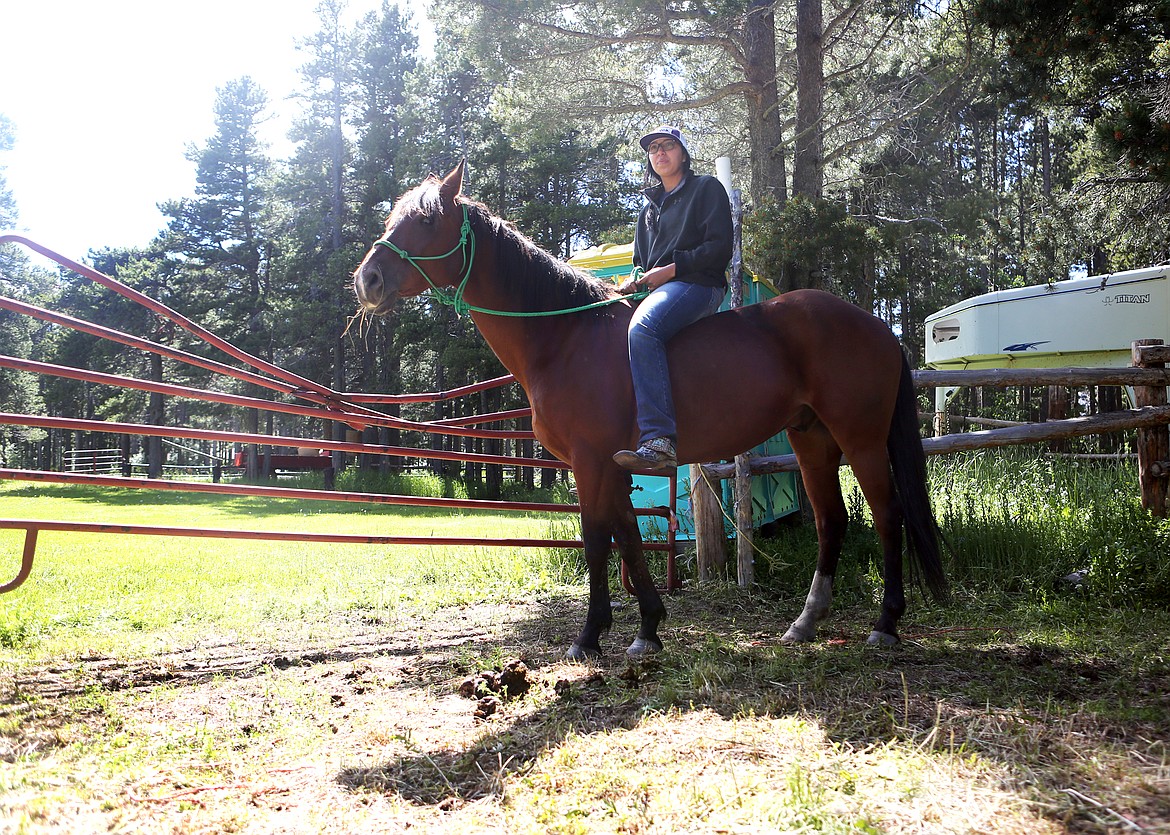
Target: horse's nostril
[369,284]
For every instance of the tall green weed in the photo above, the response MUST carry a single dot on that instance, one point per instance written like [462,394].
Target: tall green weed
[1018,522]
[1014,522]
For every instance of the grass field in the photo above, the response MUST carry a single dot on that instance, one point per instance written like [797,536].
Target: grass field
[174,685]
[105,592]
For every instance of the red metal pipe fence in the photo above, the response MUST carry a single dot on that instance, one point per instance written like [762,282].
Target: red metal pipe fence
[115,427]
[326,404]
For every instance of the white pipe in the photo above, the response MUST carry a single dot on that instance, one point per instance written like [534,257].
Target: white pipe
[723,172]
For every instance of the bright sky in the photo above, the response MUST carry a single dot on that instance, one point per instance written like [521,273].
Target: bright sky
[106,96]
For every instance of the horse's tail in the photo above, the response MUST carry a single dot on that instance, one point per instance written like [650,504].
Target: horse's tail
[908,461]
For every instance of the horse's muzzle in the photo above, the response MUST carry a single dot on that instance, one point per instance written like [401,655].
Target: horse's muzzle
[369,285]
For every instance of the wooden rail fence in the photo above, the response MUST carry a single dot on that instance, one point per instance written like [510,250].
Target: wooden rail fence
[1148,376]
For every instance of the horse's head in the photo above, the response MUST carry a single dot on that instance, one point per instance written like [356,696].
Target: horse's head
[425,246]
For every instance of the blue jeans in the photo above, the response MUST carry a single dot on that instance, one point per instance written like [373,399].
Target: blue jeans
[657,318]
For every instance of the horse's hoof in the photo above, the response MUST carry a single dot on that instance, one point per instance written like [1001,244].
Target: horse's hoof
[579,653]
[882,639]
[797,636]
[641,648]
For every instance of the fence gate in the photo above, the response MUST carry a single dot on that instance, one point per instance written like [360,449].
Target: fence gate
[91,460]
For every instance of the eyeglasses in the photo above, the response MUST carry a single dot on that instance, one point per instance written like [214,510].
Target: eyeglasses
[667,145]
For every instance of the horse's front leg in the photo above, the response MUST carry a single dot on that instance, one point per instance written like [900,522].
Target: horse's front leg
[650,607]
[607,516]
[597,534]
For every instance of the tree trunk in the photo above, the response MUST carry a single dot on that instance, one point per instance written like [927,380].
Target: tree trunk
[808,156]
[808,159]
[527,475]
[154,445]
[338,385]
[493,473]
[390,377]
[1098,261]
[1045,157]
[436,465]
[769,180]
[548,476]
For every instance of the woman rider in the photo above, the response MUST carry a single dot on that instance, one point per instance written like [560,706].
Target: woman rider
[681,251]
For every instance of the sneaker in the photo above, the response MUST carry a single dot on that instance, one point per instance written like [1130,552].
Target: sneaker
[655,454]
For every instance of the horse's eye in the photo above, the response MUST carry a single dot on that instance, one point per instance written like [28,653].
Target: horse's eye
[427,220]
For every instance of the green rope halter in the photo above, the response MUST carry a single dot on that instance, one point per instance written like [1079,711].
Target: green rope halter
[466,247]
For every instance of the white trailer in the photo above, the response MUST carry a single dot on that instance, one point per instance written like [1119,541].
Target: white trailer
[1084,322]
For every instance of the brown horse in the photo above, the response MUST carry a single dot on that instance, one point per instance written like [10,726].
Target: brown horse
[831,374]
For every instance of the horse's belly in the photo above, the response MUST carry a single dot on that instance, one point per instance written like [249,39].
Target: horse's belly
[719,427]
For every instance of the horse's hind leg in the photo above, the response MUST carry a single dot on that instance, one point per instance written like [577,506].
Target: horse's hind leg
[820,458]
[872,470]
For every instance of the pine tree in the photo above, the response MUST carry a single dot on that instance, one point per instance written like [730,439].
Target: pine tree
[1097,70]
[221,231]
[323,235]
[387,56]
[221,234]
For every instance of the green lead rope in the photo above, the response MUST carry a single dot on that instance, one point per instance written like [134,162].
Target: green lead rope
[466,246]
[462,306]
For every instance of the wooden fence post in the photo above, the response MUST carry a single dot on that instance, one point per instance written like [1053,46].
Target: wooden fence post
[1058,404]
[744,557]
[707,513]
[1153,444]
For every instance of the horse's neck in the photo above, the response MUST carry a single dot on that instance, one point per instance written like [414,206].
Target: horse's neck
[513,341]
[526,345]
[519,342]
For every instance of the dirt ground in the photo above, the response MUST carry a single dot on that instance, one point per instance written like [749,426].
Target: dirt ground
[363,728]
[221,736]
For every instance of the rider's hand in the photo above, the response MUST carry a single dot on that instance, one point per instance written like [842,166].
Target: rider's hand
[630,285]
[655,278]
[635,283]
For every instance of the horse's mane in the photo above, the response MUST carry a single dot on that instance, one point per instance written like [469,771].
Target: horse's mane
[540,281]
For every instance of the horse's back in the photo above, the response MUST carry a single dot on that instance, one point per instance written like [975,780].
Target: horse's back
[820,333]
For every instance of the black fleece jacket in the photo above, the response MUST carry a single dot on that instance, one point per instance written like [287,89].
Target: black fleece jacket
[690,227]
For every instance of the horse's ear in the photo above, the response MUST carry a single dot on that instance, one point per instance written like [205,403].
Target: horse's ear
[452,185]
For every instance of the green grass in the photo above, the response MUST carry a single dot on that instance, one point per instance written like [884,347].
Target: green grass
[89,592]
[1016,525]
[1018,522]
